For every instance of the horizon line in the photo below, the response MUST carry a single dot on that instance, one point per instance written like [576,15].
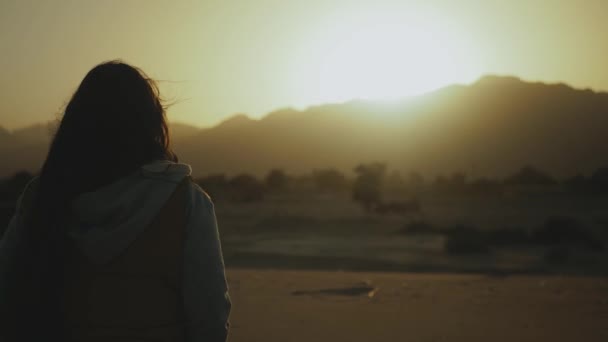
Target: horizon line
[377,100]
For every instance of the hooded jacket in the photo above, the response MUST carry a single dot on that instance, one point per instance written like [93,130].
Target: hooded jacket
[105,222]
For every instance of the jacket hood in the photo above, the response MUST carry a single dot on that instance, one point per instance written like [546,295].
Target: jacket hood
[106,221]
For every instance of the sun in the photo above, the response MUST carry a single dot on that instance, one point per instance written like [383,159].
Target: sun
[395,58]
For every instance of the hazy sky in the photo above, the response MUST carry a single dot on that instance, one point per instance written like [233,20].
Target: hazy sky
[217,58]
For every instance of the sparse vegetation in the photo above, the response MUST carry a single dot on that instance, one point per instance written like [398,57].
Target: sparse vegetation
[276,180]
[418,227]
[508,237]
[456,183]
[251,205]
[246,188]
[560,231]
[466,240]
[485,187]
[530,176]
[599,179]
[329,180]
[241,188]
[557,255]
[398,207]
[557,233]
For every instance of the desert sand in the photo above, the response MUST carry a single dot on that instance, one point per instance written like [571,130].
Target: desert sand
[278,305]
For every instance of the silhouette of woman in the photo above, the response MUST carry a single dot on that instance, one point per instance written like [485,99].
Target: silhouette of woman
[113,241]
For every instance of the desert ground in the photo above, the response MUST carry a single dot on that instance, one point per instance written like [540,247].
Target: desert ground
[313,266]
[283,306]
[331,232]
[318,268]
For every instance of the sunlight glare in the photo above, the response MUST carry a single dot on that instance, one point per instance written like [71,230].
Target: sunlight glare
[395,59]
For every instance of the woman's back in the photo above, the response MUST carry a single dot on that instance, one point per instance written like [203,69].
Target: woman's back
[98,240]
[137,294]
[144,260]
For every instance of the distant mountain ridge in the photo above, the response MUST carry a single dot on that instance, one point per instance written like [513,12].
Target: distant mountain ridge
[489,128]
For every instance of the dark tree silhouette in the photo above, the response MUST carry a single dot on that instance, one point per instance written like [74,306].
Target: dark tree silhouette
[529,175]
[599,180]
[367,188]
[330,180]
[414,181]
[276,180]
[486,186]
[246,188]
[395,181]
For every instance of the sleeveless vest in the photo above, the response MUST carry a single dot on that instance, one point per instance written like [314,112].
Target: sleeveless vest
[137,295]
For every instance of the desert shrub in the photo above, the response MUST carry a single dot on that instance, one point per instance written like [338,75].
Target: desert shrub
[466,240]
[508,237]
[329,180]
[599,180]
[417,227]
[440,183]
[246,188]
[453,183]
[456,182]
[395,182]
[415,182]
[277,223]
[486,187]
[597,184]
[529,175]
[303,182]
[557,255]
[603,223]
[577,184]
[276,180]
[368,184]
[557,233]
[398,207]
[566,231]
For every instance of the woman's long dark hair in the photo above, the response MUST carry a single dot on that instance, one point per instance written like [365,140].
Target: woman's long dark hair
[114,123]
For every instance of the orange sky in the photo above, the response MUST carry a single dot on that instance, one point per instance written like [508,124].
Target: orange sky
[217,58]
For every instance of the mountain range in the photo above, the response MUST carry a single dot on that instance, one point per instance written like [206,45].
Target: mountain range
[489,128]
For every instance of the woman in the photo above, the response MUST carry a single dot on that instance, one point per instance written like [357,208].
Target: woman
[113,241]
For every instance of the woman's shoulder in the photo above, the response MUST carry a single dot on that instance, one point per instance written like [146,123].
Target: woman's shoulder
[165,170]
[180,174]
[28,195]
[196,194]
